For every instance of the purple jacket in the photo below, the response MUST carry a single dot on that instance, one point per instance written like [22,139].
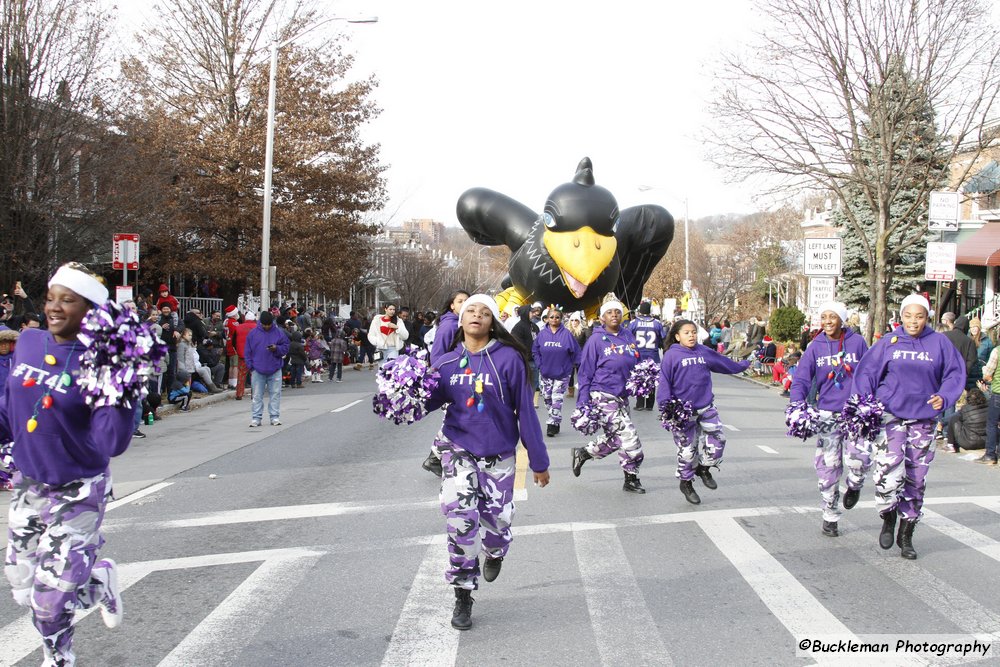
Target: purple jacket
[649,335]
[72,441]
[446,331]
[606,361]
[258,357]
[822,358]
[904,372]
[686,373]
[508,414]
[556,353]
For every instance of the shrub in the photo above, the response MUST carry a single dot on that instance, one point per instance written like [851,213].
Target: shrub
[785,323]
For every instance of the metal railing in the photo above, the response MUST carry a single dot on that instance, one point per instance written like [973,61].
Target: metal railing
[988,313]
[207,306]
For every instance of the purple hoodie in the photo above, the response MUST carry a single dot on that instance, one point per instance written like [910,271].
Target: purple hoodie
[508,413]
[445,334]
[686,373]
[555,353]
[606,361]
[904,372]
[258,357]
[822,358]
[72,441]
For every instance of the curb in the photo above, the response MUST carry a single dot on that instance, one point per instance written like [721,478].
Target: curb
[202,401]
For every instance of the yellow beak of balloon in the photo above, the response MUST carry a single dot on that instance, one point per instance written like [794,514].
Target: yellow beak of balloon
[581,255]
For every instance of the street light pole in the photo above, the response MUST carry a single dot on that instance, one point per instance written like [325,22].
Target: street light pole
[265,237]
[687,277]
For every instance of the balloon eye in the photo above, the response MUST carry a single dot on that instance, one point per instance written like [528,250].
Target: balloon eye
[549,221]
[614,227]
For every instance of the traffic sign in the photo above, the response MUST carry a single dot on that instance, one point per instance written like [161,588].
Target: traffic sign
[940,261]
[822,257]
[821,291]
[942,211]
[125,252]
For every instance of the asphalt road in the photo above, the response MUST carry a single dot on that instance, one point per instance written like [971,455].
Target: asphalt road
[320,542]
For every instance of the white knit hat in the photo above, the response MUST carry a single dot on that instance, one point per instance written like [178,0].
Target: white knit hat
[835,307]
[915,299]
[484,299]
[84,284]
[611,305]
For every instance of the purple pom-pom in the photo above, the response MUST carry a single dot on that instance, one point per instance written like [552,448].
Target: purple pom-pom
[404,386]
[861,418]
[121,353]
[801,419]
[675,414]
[588,418]
[642,380]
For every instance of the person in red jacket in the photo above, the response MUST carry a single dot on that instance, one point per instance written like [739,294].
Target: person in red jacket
[166,298]
[242,330]
[232,359]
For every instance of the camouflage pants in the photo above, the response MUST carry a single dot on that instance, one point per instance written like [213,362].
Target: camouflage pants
[834,452]
[903,453]
[477,497]
[701,442]
[7,467]
[553,392]
[52,540]
[619,433]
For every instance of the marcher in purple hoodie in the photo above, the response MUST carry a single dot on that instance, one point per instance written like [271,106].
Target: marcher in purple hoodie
[63,482]
[555,352]
[445,329]
[484,382]
[915,373]
[830,362]
[686,374]
[265,351]
[605,364]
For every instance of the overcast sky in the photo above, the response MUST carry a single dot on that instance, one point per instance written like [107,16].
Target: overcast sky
[510,95]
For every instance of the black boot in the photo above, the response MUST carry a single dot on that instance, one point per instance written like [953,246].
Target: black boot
[555,429]
[492,568]
[432,464]
[830,529]
[888,527]
[706,477]
[461,618]
[690,495]
[851,498]
[580,456]
[632,483]
[906,527]
[550,430]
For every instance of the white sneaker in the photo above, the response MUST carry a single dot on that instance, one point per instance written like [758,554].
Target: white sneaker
[275,422]
[111,604]
[320,380]
[254,423]
[339,380]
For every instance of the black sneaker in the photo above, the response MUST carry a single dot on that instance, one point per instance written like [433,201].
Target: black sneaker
[491,570]
[550,430]
[632,484]
[138,434]
[580,457]
[461,618]
[851,498]
[830,529]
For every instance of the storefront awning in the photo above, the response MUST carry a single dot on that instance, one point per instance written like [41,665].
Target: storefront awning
[982,248]
[986,180]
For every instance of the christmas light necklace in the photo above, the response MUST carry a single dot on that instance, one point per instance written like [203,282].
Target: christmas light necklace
[477,387]
[842,369]
[65,379]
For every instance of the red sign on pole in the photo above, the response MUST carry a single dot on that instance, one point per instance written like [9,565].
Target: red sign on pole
[125,253]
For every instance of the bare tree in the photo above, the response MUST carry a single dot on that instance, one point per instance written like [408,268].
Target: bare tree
[834,96]
[52,100]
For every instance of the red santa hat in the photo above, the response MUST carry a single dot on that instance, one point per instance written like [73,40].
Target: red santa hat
[768,339]
[164,288]
[231,311]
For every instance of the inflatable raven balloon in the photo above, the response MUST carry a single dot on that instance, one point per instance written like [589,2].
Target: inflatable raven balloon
[579,248]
